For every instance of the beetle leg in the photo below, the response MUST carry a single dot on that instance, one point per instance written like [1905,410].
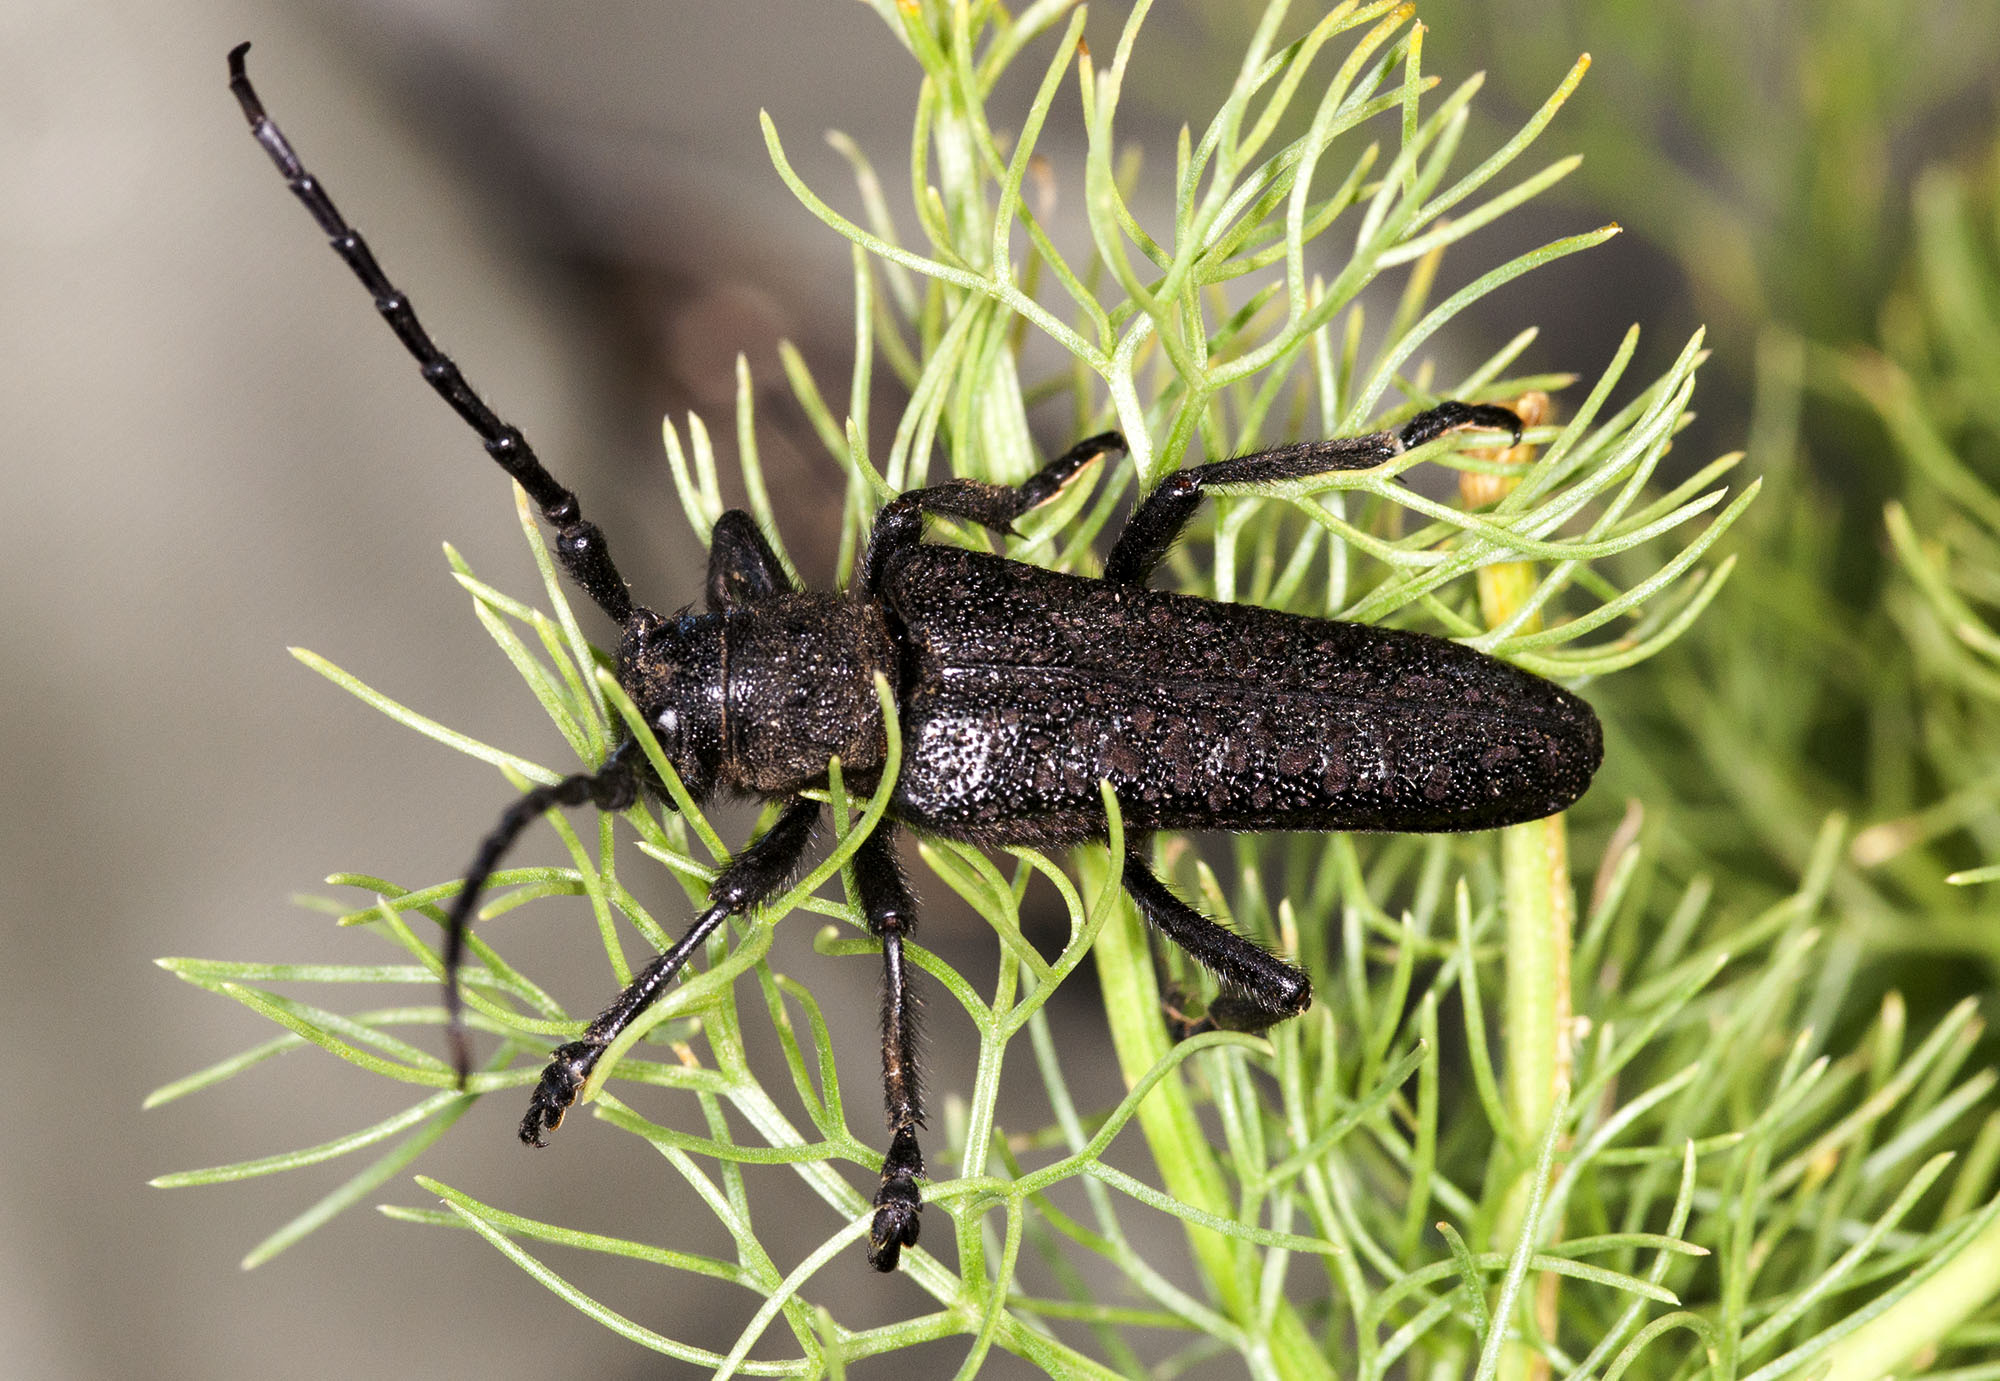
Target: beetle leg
[900,524]
[892,914]
[750,878]
[1158,520]
[742,568]
[1260,988]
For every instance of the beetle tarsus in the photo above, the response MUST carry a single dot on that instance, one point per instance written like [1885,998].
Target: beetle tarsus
[897,1203]
[1428,426]
[1245,1013]
[1181,1025]
[569,1067]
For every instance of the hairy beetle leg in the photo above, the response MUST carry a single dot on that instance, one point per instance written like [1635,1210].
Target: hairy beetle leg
[1161,516]
[900,524]
[1259,989]
[752,877]
[892,914]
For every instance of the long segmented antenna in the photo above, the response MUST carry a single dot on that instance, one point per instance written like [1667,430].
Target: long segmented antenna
[612,787]
[578,544]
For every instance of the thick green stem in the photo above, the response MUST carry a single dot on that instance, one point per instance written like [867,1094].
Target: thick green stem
[1540,919]
[1916,1324]
[1539,910]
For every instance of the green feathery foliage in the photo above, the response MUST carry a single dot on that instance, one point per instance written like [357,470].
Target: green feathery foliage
[1935,385]
[1515,1136]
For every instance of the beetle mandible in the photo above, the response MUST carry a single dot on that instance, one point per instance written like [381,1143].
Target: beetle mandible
[1018,690]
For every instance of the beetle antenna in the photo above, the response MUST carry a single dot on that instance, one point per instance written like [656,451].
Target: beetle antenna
[611,787]
[578,544]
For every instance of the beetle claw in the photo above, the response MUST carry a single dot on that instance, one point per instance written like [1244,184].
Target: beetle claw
[562,1081]
[897,1203]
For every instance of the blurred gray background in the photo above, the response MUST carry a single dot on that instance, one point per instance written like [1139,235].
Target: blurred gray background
[214,451]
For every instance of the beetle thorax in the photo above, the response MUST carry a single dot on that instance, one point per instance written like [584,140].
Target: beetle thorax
[799,672]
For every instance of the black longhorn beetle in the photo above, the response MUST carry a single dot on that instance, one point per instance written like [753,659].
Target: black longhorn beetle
[1019,690]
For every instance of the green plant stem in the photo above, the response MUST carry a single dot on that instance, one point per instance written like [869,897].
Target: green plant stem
[1887,1344]
[1539,912]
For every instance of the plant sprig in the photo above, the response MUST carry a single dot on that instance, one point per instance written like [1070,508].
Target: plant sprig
[1702,1184]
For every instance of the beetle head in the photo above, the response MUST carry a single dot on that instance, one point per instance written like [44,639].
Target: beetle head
[673,670]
